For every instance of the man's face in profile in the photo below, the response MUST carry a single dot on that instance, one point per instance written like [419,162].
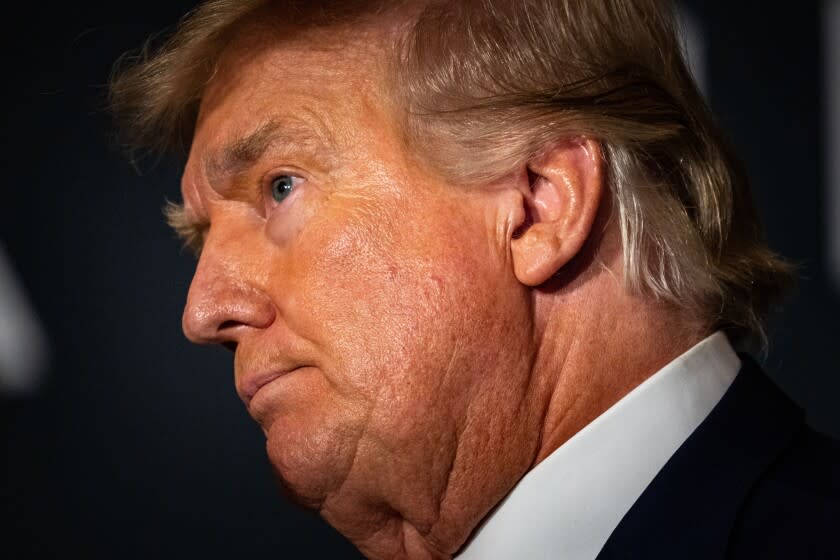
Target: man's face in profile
[370,303]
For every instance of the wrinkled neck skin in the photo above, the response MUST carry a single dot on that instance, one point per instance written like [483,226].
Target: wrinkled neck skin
[592,344]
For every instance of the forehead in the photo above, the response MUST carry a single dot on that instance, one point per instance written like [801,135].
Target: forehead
[320,75]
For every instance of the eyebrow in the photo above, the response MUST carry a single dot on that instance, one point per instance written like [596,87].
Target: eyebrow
[293,133]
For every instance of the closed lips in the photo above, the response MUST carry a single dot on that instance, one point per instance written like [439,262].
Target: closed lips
[251,384]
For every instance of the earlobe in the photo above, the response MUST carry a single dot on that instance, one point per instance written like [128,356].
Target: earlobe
[536,255]
[564,190]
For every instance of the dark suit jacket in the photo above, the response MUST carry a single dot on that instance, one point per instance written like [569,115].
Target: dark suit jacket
[751,482]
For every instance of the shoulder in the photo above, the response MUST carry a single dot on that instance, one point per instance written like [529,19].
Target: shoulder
[793,510]
[752,481]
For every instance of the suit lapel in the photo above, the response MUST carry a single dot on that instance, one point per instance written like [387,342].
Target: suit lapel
[690,508]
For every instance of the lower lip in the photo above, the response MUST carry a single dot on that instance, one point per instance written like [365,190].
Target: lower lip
[264,391]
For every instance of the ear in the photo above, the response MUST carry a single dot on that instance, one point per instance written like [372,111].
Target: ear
[565,185]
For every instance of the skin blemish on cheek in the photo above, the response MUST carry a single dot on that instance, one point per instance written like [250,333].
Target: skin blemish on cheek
[434,289]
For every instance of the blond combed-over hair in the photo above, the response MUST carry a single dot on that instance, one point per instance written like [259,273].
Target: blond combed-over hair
[483,86]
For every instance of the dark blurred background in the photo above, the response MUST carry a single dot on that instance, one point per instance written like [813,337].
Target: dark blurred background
[118,439]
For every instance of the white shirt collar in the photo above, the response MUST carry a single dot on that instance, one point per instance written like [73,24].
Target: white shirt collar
[569,504]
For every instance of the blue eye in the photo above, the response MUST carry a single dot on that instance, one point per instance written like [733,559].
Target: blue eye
[281,187]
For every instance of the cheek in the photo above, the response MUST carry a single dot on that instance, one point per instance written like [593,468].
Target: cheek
[397,294]
[331,275]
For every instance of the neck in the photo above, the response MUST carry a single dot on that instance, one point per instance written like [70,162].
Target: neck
[592,360]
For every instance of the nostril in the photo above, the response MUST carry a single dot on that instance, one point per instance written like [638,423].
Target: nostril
[229,344]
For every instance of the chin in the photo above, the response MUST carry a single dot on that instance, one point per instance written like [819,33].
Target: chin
[293,495]
[310,464]
[301,481]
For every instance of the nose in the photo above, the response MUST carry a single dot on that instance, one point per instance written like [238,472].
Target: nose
[224,302]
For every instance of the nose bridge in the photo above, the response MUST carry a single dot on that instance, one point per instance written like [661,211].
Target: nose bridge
[226,297]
